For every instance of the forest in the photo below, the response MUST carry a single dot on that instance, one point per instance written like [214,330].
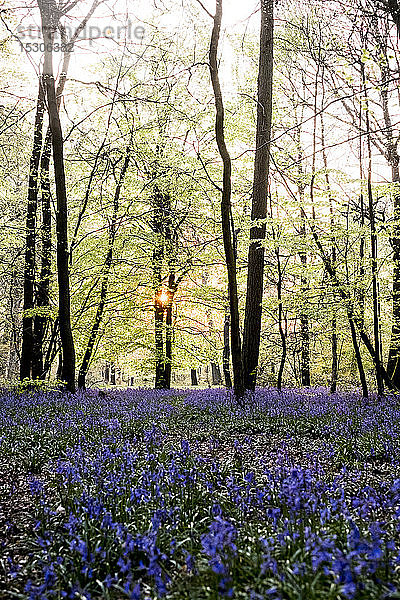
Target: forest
[129,256]
[200,299]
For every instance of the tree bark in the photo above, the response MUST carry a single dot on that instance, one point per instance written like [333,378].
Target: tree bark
[41,320]
[112,373]
[169,330]
[334,336]
[282,333]
[227,352]
[374,252]
[357,353]
[107,372]
[393,365]
[30,249]
[193,377]
[304,321]
[255,272]
[43,284]
[158,256]
[49,13]
[226,209]
[216,374]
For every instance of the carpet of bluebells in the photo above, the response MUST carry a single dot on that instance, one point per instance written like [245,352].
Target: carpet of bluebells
[146,494]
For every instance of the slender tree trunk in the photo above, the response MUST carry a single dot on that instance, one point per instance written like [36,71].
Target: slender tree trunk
[106,273]
[393,159]
[334,348]
[29,267]
[159,343]
[255,270]
[216,374]
[226,209]
[374,253]
[158,254]
[393,366]
[334,336]
[171,255]
[304,286]
[193,377]
[304,321]
[107,372]
[59,365]
[280,319]
[14,332]
[49,12]
[227,352]
[169,330]
[52,350]
[164,247]
[357,353]
[112,373]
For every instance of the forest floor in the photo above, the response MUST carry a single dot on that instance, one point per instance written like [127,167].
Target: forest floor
[182,494]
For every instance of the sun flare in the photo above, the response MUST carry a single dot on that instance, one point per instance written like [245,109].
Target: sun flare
[163,297]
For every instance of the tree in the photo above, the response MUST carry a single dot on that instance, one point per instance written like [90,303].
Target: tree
[36,306]
[255,272]
[226,208]
[50,15]
[30,247]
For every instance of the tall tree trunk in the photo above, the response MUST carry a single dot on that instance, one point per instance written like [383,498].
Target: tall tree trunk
[393,159]
[282,333]
[227,351]
[106,273]
[173,282]
[374,251]
[169,330]
[43,284]
[334,335]
[29,266]
[304,286]
[49,14]
[255,270]
[41,320]
[304,321]
[226,209]
[393,365]
[158,255]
